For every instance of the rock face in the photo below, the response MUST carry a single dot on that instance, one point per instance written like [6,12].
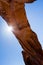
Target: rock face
[13,12]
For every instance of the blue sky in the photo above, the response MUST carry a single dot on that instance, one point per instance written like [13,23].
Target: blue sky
[10,49]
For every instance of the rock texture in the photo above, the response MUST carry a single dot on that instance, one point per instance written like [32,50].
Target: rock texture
[13,12]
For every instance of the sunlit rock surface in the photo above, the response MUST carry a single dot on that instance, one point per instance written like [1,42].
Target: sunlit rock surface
[13,12]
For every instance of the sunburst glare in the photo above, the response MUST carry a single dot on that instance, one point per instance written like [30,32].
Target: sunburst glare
[9,28]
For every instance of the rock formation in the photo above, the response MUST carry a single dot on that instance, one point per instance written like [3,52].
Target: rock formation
[13,12]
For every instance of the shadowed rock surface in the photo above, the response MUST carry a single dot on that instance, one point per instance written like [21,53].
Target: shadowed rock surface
[13,12]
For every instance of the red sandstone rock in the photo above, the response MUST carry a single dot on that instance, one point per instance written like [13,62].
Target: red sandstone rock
[13,12]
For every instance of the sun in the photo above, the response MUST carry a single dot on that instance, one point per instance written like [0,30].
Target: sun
[9,28]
